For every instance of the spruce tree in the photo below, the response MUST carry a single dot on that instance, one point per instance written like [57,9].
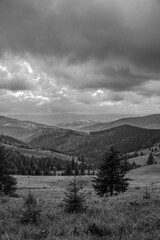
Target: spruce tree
[74,200]
[110,177]
[73,164]
[76,172]
[150,160]
[8,184]
[68,170]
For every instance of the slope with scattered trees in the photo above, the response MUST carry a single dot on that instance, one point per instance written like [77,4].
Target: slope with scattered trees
[125,138]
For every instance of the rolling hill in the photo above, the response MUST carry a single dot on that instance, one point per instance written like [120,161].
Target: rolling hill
[58,118]
[77,125]
[25,130]
[149,122]
[38,153]
[125,138]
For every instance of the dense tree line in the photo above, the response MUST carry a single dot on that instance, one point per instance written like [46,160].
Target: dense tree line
[38,166]
[8,184]
[25,165]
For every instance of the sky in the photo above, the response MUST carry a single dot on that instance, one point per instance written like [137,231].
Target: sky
[80,56]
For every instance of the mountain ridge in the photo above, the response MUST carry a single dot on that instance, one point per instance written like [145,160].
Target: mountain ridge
[124,138]
[150,122]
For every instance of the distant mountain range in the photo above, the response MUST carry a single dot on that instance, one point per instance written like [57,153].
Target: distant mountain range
[78,125]
[88,122]
[23,130]
[124,137]
[58,118]
[149,122]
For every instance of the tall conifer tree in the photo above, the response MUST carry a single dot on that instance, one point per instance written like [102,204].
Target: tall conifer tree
[110,177]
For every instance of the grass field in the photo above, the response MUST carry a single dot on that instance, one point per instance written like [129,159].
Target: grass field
[128,216]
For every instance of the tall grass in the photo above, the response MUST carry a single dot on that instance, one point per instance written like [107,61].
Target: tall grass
[129,216]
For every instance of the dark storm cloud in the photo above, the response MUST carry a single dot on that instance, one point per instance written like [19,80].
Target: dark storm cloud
[117,80]
[80,31]
[122,79]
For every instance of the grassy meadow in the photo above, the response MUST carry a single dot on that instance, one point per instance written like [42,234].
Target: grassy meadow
[133,215]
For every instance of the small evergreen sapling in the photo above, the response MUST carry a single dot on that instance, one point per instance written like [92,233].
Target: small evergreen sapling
[31,210]
[75,199]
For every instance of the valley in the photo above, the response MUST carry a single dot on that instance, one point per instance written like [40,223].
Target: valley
[42,140]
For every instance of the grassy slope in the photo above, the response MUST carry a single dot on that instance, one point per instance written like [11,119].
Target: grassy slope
[128,216]
[39,153]
[141,160]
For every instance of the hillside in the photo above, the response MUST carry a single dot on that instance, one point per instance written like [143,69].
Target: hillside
[60,118]
[13,142]
[125,138]
[149,122]
[38,153]
[25,130]
[77,125]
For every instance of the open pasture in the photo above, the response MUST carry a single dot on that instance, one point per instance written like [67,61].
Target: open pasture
[129,216]
[54,186]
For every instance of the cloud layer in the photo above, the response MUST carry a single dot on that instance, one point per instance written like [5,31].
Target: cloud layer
[88,55]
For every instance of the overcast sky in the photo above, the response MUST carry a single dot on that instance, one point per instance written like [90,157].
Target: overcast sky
[82,56]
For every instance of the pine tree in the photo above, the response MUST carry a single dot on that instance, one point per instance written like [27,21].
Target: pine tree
[76,172]
[73,164]
[68,170]
[126,164]
[82,169]
[74,197]
[7,182]
[24,171]
[150,160]
[110,177]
